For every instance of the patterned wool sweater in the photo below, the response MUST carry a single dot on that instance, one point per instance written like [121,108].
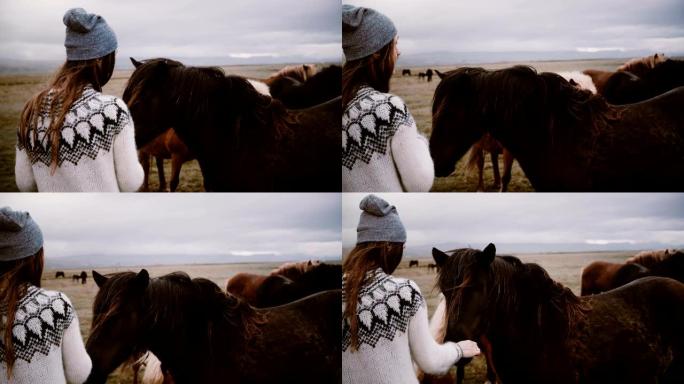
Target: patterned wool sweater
[393,332]
[97,151]
[47,341]
[382,150]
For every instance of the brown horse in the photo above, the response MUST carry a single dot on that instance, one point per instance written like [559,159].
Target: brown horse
[246,285]
[638,67]
[166,146]
[564,138]
[243,140]
[601,276]
[203,335]
[540,332]
[300,73]
[477,158]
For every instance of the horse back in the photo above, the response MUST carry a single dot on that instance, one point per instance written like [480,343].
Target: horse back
[638,325]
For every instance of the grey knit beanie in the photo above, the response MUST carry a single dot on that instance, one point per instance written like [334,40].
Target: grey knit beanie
[379,222]
[20,236]
[87,35]
[364,31]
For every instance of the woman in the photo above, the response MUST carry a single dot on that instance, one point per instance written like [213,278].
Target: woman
[382,150]
[42,343]
[385,321]
[71,137]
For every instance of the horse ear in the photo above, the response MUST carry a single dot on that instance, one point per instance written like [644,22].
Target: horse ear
[143,278]
[100,280]
[439,256]
[135,62]
[488,254]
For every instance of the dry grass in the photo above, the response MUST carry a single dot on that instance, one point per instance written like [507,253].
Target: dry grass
[565,268]
[15,90]
[82,296]
[418,96]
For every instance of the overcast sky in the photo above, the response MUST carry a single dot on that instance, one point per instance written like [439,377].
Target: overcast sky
[540,221]
[304,29]
[199,227]
[535,25]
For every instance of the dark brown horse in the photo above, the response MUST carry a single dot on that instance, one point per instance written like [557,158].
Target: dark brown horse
[626,87]
[601,276]
[278,290]
[59,274]
[319,88]
[564,138]
[166,146]
[413,263]
[637,67]
[203,335]
[540,332]
[243,140]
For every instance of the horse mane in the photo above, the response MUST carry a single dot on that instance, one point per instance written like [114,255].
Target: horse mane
[198,89]
[640,65]
[175,296]
[557,309]
[300,73]
[650,258]
[296,269]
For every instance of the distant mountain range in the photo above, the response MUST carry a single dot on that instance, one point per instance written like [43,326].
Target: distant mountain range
[107,261]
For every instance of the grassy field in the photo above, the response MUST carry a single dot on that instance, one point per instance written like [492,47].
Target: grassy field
[418,96]
[565,268]
[82,296]
[15,90]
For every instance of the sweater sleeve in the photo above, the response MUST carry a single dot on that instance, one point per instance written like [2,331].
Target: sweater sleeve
[411,154]
[431,357]
[23,172]
[77,363]
[129,172]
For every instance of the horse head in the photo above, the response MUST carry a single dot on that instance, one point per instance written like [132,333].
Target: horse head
[117,329]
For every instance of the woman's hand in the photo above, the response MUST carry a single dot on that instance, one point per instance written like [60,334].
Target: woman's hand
[469,348]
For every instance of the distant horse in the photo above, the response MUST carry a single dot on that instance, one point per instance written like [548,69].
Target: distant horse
[59,274]
[429,74]
[540,332]
[432,267]
[243,140]
[83,276]
[300,73]
[601,276]
[477,158]
[166,146]
[421,75]
[75,278]
[413,263]
[245,285]
[626,87]
[319,88]
[406,72]
[564,138]
[203,335]
[278,289]
[638,67]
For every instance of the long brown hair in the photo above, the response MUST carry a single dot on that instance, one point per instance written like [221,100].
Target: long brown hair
[374,71]
[363,258]
[15,277]
[63,90]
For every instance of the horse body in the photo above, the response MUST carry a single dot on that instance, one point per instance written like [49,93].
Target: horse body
[540,332]
[243,140]
[319,88]
[200,334]
[564,138]
[166,146]
[278,289]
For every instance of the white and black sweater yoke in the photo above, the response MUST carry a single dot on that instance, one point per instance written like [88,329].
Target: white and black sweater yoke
[393,332]
[382,150]
[97,151]
[47,341]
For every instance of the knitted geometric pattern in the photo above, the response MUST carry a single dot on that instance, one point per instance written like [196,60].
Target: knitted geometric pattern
[39,324]
[385,307]
[368,122]
[90,126]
